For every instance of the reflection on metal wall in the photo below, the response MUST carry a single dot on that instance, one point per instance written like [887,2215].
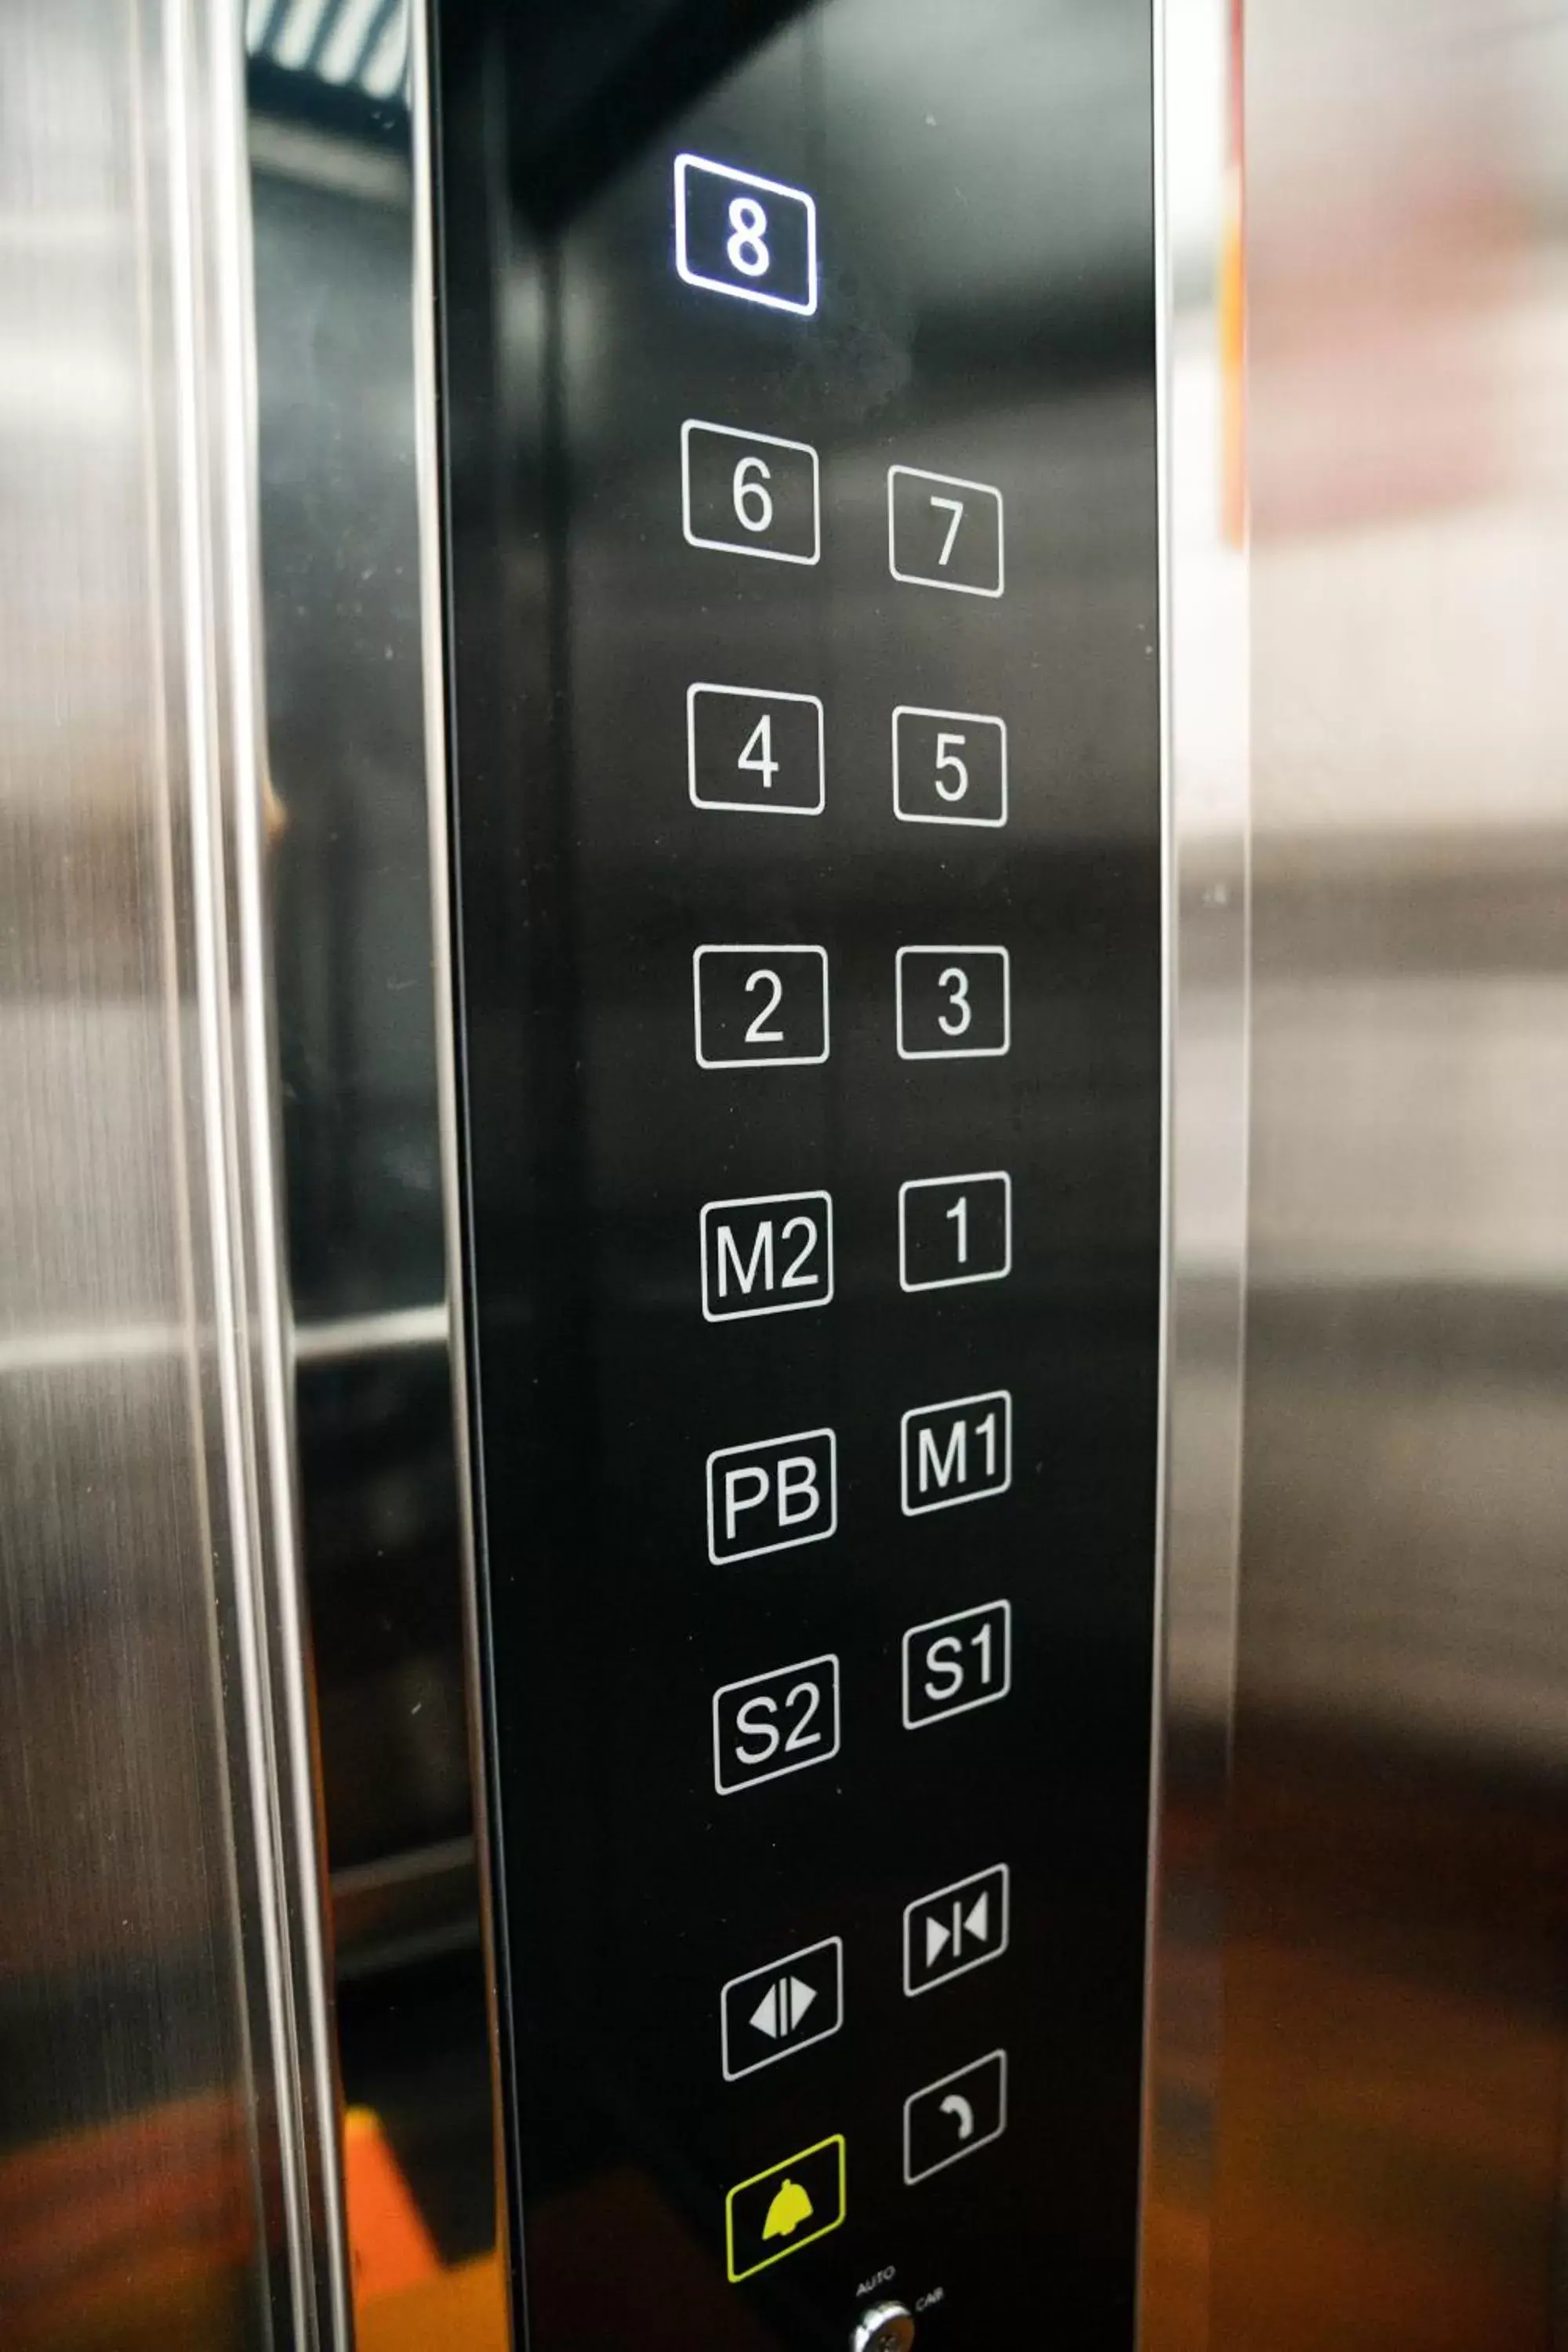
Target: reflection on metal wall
[167,2125]
[1395,1981]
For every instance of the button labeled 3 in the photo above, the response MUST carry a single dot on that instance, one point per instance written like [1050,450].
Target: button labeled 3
[944,532]
[956,1663]
[749,493]
[958,1929]
[954,2117]
[784,1721]
[736,234]
[760,1005]
[772,2013]
[953,1003]
[956,1451]
[789,2206]
[771,1254]
[771,1494]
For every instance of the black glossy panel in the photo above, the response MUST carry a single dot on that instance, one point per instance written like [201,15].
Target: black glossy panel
[717,1760]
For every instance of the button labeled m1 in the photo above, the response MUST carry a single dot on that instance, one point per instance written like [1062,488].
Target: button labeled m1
[771,1494]
[957,1452]
[771,1254]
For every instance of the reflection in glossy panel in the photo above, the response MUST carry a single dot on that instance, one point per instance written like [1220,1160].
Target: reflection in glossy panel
[1395,1986]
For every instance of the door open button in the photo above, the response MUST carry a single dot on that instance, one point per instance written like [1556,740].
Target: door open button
[772,2013]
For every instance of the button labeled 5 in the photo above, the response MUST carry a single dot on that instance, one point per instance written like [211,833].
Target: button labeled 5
[955,1663]
[955,1229]
[784,1721]
[944,532]
[749,493]
[760,1004]
[748,749]
[950,767]
[735,233]
[771,1494]
[953,1003]
[772,1255]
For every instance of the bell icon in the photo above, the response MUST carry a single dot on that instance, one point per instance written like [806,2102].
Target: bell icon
[790,2208]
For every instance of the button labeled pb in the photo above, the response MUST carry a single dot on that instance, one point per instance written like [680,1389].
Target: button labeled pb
[771,1494]
[789,2206]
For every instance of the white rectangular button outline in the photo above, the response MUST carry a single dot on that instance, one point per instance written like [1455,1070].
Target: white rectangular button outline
[934,1625]
[761,808]
[767,1201]
[956,1281]
[955,1404]
[781,1771]
[835,1944]
[954,1052]
[688,162]
[769,441]
[926,579]
[948,1976]
[759,1061]
[969,2146]
[970,719]
[788,1543]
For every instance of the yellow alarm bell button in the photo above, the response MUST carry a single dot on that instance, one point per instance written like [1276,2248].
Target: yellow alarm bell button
[790,2205]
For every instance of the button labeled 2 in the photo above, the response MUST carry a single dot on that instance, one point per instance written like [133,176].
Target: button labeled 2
[749,493]
[952,2118]
[944,532]
[956,1663]
[950,767]
[771,1254]
[956,1451]
[955,1229]
[760,1005]
[771,1494]
[954,1003]
[754,749]
[782,1721]
[736,234]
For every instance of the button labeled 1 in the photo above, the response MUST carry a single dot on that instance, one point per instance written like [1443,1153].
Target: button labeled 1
[749,493]
[784,1721]
[771,1254]
[760,1005]
[753,749]
[956,1451]
[772,2013]
[964,2111]
[944,532]
[954,1003]
[950,767]
[958,1929]
[735,233]
[955,1229]
[954,1664]
[771,1494]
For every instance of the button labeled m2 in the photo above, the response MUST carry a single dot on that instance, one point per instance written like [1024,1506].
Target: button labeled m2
[771,1254]
[771,1494]
[957,1452]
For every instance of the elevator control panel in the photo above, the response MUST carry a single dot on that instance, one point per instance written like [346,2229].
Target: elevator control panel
[801,508]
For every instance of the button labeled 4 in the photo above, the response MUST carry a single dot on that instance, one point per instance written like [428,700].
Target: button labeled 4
[775,1723]
[954,1664]
[954,1003]
[753,750]
[760,1005]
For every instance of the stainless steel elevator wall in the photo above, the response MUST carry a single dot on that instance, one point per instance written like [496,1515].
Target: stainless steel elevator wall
[1390,2095]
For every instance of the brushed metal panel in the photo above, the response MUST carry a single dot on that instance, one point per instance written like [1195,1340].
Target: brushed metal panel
[1394,1992]
[167,2133]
